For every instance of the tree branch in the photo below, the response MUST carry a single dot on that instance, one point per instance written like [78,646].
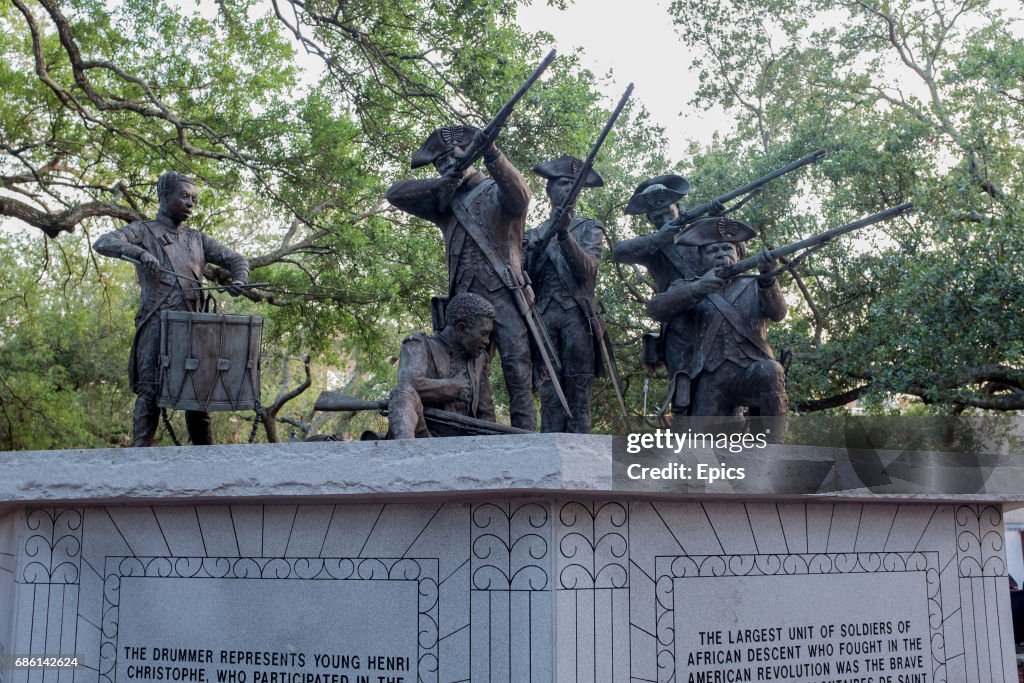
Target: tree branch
[55,223]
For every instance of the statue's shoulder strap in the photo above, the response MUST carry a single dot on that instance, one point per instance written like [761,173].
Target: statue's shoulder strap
[674,257]
[483,240]
[733,317]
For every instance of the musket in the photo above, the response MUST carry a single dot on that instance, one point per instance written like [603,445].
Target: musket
[489,133]
[336,401]
[566,205]
[562,211]
[726,272]
[696,212]
[600,334]
[251,285]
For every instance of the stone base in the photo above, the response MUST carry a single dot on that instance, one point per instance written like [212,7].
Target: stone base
[519,564]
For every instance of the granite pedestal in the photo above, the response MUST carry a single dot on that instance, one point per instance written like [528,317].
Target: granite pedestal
[479,559]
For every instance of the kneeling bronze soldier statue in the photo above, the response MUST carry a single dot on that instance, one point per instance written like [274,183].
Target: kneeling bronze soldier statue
[169,262]
[443,380]
[449,371]
[716,329]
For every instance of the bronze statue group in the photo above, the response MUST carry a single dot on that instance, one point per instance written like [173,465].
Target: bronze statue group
[526,294]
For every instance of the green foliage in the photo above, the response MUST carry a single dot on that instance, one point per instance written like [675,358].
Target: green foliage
[291,175]
[63,351]
[915,101]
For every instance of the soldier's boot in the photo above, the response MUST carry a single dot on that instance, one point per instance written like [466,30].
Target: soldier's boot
[519,383]
[145,420]
[773,419]
[578,390]
[200,427]
[521,410]
[552,415]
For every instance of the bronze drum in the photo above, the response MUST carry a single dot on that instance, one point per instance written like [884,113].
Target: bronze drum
[209,362]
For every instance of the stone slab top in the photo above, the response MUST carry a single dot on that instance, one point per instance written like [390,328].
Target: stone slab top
[471,467]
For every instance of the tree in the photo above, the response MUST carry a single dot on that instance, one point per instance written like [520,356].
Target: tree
[916,101]
[97,100]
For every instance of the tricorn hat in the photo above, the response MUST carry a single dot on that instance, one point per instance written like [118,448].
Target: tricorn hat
[442,141]
[657,193]
[567,167]
[714,229]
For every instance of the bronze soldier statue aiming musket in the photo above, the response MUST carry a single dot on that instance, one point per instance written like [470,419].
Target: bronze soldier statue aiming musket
[657,252]
[170,260]
[716,323]
[483,220]
[658,198]
[716,329]
[668,259]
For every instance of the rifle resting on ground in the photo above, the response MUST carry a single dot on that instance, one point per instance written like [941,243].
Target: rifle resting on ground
[336,401]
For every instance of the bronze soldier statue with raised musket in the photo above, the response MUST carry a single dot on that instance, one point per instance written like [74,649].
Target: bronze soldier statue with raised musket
[562,256]
[170,260]
[483,221]
[562,261]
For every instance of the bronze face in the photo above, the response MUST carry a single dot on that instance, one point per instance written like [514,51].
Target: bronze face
[658,217]
[476,338]
[558,189]
[718,255]
[179,204]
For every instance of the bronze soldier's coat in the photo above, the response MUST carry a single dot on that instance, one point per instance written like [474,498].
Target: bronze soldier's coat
[728,361]
[497,206]
[564,277]
[665,264]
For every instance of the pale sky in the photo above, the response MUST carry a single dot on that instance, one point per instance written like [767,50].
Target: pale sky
[634,42]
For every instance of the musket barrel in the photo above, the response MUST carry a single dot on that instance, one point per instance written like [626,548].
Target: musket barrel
[749,187]
[750,262]
[700,210]
[581,176]
[498,122]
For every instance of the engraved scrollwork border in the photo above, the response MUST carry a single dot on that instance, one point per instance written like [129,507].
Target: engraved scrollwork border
[668,568]
[509,545]
[979,541]
[593,545]
[424,571]
[53,546]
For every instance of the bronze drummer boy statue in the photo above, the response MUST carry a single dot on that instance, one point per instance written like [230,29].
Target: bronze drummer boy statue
[170,259]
